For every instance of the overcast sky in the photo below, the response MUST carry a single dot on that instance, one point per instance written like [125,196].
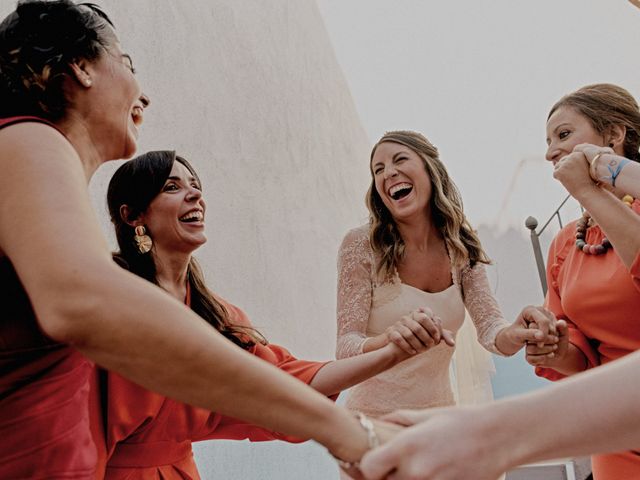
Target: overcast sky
[478,79]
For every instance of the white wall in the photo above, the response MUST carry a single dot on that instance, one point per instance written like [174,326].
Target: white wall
[251,93]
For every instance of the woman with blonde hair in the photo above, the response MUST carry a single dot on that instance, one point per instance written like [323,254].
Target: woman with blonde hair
[410,274]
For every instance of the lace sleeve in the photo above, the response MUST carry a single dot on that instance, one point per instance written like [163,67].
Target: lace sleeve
[354,292]
[482,306]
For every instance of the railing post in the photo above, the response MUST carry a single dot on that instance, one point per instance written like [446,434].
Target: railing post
[531,223]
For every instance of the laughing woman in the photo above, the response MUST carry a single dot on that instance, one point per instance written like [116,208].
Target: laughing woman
[409,274]
[593,270]
[158,211]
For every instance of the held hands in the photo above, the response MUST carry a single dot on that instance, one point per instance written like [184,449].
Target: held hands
[534,325]
[433,446]
[418,331]
[382,432]
[548,355]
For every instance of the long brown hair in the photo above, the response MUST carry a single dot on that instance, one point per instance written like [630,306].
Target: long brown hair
[606,105]
[135,184]
[446,208]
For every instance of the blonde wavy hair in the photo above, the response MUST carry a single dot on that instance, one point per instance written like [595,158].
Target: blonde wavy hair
[446,208]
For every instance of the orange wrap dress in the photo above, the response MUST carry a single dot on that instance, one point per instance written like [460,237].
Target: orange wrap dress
[600,300]
[149,436]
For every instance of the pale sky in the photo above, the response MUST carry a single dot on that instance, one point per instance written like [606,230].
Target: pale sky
[478,79]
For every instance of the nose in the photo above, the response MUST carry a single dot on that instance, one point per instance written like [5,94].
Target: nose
[194,194]
[390,171]
[553,154]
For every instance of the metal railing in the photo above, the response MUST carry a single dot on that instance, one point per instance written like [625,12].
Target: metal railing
[532,223]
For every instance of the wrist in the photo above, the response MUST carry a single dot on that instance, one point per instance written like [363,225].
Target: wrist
[585,191]
[506,342]
[506,424]
[359,437]
[375,343]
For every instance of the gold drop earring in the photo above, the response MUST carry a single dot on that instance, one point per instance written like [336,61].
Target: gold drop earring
[143,241]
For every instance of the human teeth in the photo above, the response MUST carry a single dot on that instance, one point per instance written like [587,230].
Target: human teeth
[195,215]
[396,188]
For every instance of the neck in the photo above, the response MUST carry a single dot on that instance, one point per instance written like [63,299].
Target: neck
[79,135]
[171,272]
[418,233]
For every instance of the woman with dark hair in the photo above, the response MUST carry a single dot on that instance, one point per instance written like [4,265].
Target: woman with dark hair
[158,211]
[593,270]
[69,101]
[418,252]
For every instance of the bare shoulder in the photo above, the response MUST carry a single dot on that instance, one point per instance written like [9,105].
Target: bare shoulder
[43,192]
[33,141]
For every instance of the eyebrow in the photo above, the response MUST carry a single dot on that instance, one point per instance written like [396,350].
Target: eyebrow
[557,127]
[395,155]
[178,179]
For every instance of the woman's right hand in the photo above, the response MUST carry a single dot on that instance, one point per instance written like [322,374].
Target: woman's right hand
[418,331]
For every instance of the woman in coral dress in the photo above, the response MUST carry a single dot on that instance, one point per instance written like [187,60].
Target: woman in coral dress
[593,266]
[158,211]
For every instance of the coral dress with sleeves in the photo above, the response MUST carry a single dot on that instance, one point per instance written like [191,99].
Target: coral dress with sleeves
[44,390]
[149,436]
[600,300]
[368,304]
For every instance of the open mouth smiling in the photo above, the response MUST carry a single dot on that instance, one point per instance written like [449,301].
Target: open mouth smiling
[192,216]
[400,190]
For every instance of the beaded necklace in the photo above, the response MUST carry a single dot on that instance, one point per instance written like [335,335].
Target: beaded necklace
[581,233]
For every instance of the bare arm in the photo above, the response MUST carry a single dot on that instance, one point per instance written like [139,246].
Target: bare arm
[50,233]
[341,374]
[593,412]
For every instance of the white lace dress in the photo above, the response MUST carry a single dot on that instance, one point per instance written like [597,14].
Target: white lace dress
[367,305]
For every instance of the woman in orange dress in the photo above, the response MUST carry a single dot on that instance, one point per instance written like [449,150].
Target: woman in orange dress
[158,211]
[593,266]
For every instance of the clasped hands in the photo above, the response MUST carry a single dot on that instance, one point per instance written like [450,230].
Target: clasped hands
[418,331]
[424,450]
[584,167]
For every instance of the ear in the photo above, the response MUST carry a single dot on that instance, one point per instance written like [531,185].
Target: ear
[125,215]
[81,73]
[615,136]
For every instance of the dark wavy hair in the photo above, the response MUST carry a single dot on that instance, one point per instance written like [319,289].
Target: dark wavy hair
[38,42]
[135,184]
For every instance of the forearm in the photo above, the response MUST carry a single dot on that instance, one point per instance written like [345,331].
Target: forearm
[597,412]
[375,343]
[619,223]
[341,374]
[157,342]
[628,178]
